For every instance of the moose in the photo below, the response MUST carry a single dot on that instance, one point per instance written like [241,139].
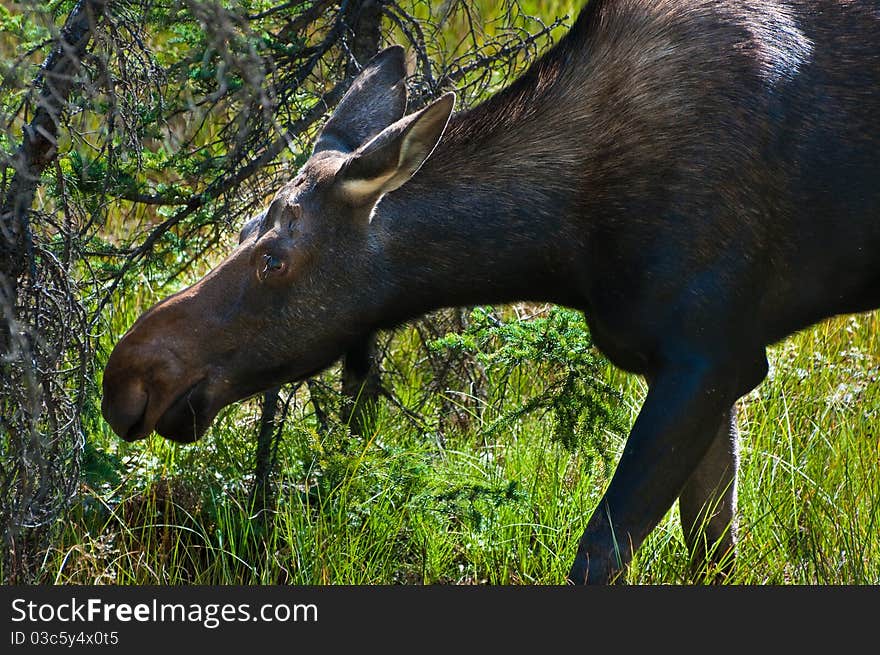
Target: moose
[700,177]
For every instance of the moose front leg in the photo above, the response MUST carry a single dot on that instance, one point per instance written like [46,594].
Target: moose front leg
[682,413]
[707,504]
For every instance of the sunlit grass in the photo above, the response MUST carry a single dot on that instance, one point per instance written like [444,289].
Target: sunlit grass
[401,505]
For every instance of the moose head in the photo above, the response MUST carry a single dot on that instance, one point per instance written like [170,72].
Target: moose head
[302,285]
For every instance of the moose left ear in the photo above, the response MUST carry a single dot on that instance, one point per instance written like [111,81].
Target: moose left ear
[376,99]
[251,226]
[394,155]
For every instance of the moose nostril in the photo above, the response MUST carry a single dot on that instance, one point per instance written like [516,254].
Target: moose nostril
[124,410]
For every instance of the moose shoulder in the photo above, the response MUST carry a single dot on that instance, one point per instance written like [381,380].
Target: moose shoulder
[700,177]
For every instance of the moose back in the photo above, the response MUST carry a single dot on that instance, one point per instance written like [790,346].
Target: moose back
[700,177]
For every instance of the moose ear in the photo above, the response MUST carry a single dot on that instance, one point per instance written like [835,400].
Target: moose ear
[394,155]
[375,99]
[251,226]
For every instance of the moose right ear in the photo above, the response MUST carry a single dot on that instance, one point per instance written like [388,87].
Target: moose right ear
[375,100]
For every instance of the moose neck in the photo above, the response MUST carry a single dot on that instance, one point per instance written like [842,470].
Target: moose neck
[484,220]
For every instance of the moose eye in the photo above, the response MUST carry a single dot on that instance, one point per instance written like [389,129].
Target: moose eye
[271,264]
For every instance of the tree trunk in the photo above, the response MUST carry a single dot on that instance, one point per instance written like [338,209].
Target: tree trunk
[263,492]
[39,143]
[36,483]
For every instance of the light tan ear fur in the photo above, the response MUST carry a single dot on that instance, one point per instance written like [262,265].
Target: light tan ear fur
[394,155]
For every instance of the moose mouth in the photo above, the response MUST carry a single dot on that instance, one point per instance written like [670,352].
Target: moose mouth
[134,412]
[188,416]
[185,419]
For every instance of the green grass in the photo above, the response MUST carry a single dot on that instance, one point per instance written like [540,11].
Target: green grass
[423,502]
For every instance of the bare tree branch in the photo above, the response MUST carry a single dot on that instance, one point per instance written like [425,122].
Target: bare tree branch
[39,141]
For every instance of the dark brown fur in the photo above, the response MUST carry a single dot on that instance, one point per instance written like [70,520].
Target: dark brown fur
[700,177]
